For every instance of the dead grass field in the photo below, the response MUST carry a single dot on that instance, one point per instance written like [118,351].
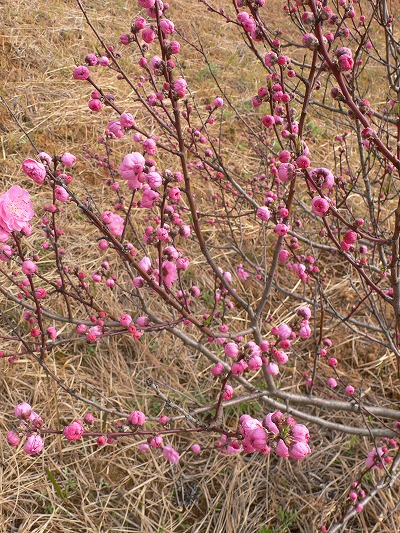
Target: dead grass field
[115,488]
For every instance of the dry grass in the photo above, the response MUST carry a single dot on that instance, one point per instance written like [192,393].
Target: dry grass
[115,488]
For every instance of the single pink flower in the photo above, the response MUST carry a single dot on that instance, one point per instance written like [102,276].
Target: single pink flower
[33,445]
[154,179]
[167,26]
[131,166]
[16,210]
[286,171]
[147,3]
[23,411]
[322,177]
[169,273]
[68,159]
[13,438]
[81,73]
[137,418]
[319,206]
[148,198]
[74,431]
[115,127]
[263,213]
[170,454]
[148,35]
[126,120]
[34,170]
[61,194]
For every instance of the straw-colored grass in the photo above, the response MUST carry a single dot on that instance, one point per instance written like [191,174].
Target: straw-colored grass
[115,488]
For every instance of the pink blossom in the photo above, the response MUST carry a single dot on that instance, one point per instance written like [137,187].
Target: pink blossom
[167,26]
[169,273]
[125,320]
[156,442]
[373,460]
[149,146]
[146,3]
[155,63]
[13,438]
[61,194]
[270,59]
[16,210]
[68,159]
[91,60]
[284,331]
[231,350]
[145,264]
[29,267]
[126,120]
[227,393]
[148,198]
[174,47]
[304,312]
[43,156]
[217,369]
[23,411]
[148,35]
[303,161]
[272,369]
[281,229]
[305,332]
[74,431]
[270,424]
[263,213]
[180,87]
[283,256]
[322,177]
[241,273]
[104,61]
[116,226]
[195,448]
[255,362]
[33,445]
[81,73]
[310,41]
[345,63]
[115,127]
[268,121]
[183,263]
[286,172]
[34,170]
[281,357]
[319,206]
[131,166]
[137,418]
[175,194]
[332,383]
[170,454]
[35,420]
[258,439]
